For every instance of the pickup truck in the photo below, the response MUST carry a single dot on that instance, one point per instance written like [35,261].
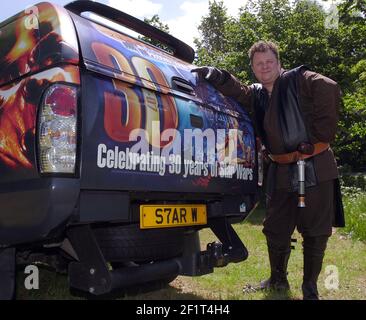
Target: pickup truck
[113,154]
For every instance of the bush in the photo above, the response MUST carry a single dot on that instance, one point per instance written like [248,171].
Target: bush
[355,181]
[354,201]
[350,144]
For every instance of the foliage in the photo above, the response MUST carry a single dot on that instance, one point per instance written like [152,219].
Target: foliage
[156,22]
[353,181]
[350,144]
[213,41]
[299,28]
[354,202]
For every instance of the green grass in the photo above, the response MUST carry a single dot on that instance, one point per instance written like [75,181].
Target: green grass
[355,211]
[346,253]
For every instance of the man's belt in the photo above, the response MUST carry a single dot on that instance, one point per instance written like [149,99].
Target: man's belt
[294,156]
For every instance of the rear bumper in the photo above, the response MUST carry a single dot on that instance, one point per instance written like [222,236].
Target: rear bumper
[99,206]
[31,210]
[40,209]
[92,274]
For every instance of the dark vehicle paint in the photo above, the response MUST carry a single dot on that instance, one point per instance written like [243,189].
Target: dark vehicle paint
[109,68]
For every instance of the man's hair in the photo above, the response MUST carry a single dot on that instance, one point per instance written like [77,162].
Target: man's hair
[263,46]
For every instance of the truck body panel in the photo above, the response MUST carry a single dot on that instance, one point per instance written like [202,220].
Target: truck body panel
[131,85]
[113,151]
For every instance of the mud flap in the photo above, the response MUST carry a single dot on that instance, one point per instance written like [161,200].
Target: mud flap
[230,249]
[233,249]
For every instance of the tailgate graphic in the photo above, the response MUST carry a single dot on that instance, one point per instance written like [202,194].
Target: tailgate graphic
[142,133]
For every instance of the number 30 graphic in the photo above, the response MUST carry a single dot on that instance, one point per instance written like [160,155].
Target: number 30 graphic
[123,111]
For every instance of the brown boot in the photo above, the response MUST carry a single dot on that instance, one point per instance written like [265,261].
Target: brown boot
[314,248]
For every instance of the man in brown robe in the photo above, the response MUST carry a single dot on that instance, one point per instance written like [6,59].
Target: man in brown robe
[317,98]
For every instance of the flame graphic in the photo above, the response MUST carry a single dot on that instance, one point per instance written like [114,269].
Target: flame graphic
[20,54]
[30,49]
[17,117]
[18,107]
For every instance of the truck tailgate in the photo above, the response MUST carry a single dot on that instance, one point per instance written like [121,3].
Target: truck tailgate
[149,124]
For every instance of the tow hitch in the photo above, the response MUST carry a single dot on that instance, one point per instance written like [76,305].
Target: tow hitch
[92,274]
[217,254]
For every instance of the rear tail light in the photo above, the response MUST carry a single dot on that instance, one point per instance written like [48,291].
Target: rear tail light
[57,130]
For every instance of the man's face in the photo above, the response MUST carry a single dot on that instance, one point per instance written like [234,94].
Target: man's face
[266,67]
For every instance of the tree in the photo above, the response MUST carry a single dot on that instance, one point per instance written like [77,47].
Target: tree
[157,23]
[350,144]
[212,29]
[299,28]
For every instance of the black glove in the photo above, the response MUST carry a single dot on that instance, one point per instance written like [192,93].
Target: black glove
[211,74]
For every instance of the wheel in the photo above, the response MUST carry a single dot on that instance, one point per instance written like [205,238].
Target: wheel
[130,243]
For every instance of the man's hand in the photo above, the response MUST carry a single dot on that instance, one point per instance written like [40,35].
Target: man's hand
[211,74]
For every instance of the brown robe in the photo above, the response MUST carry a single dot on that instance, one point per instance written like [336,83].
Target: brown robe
[319,99]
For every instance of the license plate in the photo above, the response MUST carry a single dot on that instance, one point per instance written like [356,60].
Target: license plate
[162,216]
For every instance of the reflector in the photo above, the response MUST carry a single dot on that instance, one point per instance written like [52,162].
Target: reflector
[62,100]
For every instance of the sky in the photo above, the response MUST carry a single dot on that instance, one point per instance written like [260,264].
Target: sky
[182,16]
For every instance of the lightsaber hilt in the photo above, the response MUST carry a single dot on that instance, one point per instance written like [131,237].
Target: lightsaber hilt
[301,174]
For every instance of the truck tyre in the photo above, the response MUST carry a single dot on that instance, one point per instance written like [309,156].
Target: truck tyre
[130,243]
